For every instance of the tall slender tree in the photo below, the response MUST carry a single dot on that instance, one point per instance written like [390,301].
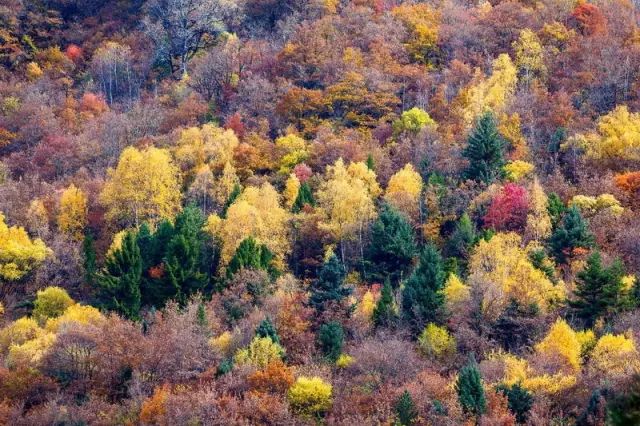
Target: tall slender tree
[485,151]
[570,234]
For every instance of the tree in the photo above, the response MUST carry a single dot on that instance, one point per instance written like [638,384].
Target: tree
[180,28]
[436,342]
[570,235]
[538,220]
[624,408]
[384,313]
[406,409]
[120,279]
[392,246]
[72,216]
[18,253]
[404,190]
[617,136]
[412,121]
[561,345]
[529,55]
[330,340]
[250,255]
[143,187]
[470,390]
[508,210]
[598,290]
[261,352]
[267,329]
[461,240]
[520,400]
[112,68]
[304,197]
[422,297]
[50,303]
[484,151]
[329,287]
[310,396]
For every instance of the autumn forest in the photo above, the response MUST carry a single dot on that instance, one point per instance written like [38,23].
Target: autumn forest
[320,212]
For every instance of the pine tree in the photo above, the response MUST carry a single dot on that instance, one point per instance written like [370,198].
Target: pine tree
[305,196]
[267,329]
[384,312]
[331,340]
[485,152]
[201,317]
[461,240]
[405,409]
[120,279]
[470,391]
[598,289]
[555,208]
[392,246]
[519,399]
[329,287]
[572,233]
[89,258]
[235,193]
[371,165]
[422,298]
[250,255]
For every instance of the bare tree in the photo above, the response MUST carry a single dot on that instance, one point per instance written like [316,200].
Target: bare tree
[179,28]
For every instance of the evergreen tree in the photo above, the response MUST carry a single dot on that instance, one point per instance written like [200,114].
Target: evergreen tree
[519,399]
[598,289]
[405,409]
[422,298]
[331,340]
[461,240]
[89,258]
[305,196]
[120,279]
[392,246]
[371,165]
[250,255]
[485,151]
[201,317]
[267,329]
[235,193]
[384,312]
[572,233]
[555,208]
[470,391]
[329,287]
[624,409]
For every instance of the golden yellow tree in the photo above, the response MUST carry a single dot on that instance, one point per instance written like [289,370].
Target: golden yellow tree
[614,355]
[529,55]
[72,216]
[561,344]
[538,220]
[291,189]
[293,150]
[404,189]
[143,187]
[208,144]
[500,269]
[18,253]
[617,136]
[225,184]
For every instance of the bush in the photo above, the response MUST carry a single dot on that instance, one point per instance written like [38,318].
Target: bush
[436,342]
[310,396]
[51,303]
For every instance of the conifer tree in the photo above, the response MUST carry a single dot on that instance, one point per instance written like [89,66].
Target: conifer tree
[371,165]
[120,279]
[470,391]
[267,329]
[305,196]
[405,409]
[555,208]
[461,240]
[572,233]
[392,246]
[331,340]
[251,255]
[485,151]
[384,312]
[329,287]
[519,400]
[235,193]
[422,298]
[598,289]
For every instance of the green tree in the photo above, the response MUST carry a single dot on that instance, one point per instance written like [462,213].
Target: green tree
[470,391]
[267,329]
[555,208]
[392,246]
[422,298]
[461,240]
[598,290]
[406,409]
[120,279]
[331,340]
[384,313]
[305,196]
[570,234]
[251,255]
[329,287]
[235,193]
[485,151]
[519,399]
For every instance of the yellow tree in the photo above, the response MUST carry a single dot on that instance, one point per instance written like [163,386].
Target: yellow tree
[529,55]
[561,344]
[256,213]
[208,144]
[617,136]
[38,218]
[18,253]
[293,150]
[291,189]
[72,216]
[143,187]
[501,271]
[614,355]
[346,199]
[225,184]
[538,220]
[404,189]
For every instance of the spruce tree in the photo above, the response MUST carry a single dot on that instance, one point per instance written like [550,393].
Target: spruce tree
[250,255]
[120,279]
[267,329]
[384,312]
[235,193]
[392,246]
[570,234]
[461,240]
[470,391]
[485,151]
[422,298]
[331,340]
[329,287]
[519,400]
[305,196]
[555,208]
[598,289]
[371,165]
[406,409]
